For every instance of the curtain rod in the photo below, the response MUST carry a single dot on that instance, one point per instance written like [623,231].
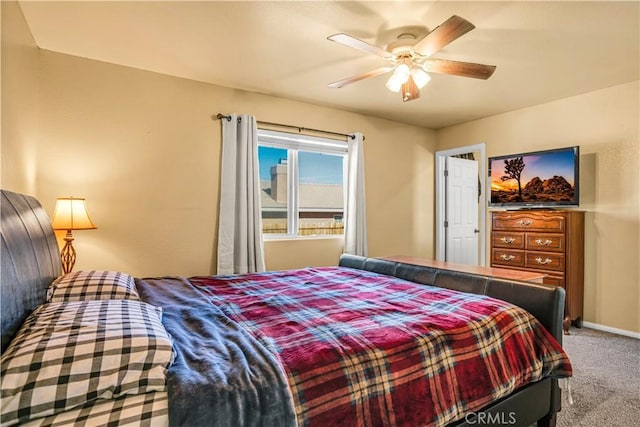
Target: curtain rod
[220,116]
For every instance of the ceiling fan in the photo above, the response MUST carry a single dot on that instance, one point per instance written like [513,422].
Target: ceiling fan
[411,59]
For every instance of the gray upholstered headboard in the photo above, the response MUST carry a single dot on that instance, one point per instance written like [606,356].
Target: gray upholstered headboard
[30,260]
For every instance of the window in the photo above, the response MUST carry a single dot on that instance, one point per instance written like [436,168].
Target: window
[302,184]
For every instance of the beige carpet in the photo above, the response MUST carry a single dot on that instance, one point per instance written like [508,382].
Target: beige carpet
[606,380]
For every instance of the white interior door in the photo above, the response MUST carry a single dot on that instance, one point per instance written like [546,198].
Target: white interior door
[461,224]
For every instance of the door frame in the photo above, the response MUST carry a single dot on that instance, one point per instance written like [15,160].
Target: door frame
[440,161]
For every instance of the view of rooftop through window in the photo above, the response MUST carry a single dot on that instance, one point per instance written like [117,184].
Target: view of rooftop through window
[319,192]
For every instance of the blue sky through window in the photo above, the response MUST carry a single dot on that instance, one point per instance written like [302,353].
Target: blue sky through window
[268,157]
[314,168]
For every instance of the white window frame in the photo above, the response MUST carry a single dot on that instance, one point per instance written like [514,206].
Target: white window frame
[294,143]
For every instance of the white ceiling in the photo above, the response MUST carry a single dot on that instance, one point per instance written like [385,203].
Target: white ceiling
[543,50]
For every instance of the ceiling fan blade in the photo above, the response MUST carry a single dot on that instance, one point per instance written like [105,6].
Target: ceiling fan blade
[355,43]
[442,35]
[353,79]
[457,68]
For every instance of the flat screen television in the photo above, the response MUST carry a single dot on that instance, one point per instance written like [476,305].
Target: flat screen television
[539,179]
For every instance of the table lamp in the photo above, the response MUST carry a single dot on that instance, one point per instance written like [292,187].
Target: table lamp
[70,214]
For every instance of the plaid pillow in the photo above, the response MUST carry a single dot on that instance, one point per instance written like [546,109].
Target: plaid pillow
[92,285]
[140,410]
[68,354]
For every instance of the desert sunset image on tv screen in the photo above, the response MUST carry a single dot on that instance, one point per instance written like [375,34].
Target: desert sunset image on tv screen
[536,178]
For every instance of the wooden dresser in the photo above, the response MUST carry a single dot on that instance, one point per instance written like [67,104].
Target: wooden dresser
[545,241]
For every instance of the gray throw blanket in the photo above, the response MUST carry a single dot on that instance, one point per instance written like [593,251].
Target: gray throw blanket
[221,375]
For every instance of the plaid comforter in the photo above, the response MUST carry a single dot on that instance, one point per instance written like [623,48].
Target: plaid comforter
[363,349]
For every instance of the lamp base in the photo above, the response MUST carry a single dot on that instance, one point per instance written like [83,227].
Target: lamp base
[68,254]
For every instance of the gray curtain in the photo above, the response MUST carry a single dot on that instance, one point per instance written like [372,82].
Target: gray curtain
[355,218]
[240,245]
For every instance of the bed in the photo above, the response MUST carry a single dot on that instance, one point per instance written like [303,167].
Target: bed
[368,342]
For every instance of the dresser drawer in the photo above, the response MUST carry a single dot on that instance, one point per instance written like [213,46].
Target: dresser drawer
[544,261]
[545,242]
[507,240]
[537,221]
[507,257]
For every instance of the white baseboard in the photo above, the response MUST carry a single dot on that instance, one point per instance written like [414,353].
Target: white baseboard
[617,331]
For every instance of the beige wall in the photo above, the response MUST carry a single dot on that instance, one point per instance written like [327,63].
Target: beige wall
[606,126]
[19,102]
[144,151]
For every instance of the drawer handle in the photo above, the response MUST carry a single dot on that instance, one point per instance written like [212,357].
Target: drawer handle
[541,242]
[507,257]
[525,222]
[508,240]
[540,261]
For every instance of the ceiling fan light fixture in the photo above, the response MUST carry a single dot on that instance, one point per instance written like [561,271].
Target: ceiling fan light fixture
[400,76]
[420,77]
[402,73]
[394,84]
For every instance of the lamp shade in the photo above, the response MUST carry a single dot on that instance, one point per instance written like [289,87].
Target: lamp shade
[71,214]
